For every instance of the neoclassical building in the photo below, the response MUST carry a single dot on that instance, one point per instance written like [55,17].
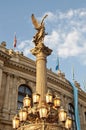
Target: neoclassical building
[18,78]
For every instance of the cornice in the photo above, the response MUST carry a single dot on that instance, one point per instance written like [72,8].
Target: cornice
[82,95]
[4,56]
[53,78]
[20,67]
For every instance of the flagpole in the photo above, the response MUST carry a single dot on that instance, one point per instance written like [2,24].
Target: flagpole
[73,74]
[84,83]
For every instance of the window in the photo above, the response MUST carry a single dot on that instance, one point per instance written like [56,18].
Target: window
[85,116]
[23,90]
[72,115]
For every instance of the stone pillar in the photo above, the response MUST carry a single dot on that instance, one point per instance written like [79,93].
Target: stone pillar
[65,103]
[41,75]
[14,94]
[1,68]
[2,92]
[6,100]
[41,52]
[62,100]
[10,92]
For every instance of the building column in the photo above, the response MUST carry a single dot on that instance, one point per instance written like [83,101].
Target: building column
[62,100]
[14,94]
[1,69]
[10,92]
[6,100]
[65,103]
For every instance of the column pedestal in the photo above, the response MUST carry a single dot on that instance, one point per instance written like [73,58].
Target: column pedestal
[41,126]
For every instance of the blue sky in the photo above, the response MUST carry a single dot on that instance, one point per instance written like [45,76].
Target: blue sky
[65,24]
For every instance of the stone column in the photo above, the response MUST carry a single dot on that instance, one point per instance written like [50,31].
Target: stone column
[10,92]
[65,103]
[1,67]
[3,92]
[41,52]
[14,94]
[6,100]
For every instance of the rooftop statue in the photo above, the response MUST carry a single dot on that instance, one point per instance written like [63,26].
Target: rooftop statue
[40,34]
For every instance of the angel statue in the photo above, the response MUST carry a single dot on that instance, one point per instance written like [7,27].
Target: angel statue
[39,36]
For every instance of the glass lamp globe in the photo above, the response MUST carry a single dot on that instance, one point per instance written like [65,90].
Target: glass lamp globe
[15,122]
[62,115]
[57,101]
[26,101]
[43,111]
[68,122]
[36,98]
[23,114]
[49,98]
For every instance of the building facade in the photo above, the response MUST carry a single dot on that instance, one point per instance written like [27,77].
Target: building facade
[18,78]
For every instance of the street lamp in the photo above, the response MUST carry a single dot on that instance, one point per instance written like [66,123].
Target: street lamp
[50,111]
[57,101]
[62,115]
[68,122]
[49,98]
[40,112]
[44,108]
[43,111]
[16,122]
[27,101]
[23,114]
[36,98]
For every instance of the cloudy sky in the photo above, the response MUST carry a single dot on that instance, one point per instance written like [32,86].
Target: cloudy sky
[66,27]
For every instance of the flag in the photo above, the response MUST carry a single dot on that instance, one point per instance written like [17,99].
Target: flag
[15,41]
[57,64]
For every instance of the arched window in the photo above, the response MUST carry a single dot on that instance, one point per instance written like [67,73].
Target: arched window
[85,115]
[72,115]
[22,91]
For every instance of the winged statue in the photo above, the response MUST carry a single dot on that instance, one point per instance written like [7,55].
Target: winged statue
[39,26]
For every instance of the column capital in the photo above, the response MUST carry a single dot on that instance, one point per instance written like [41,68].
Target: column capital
[41,48]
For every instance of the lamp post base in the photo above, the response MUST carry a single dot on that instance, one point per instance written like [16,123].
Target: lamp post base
[41,126]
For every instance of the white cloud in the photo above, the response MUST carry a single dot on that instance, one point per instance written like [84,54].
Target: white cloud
[70,30]
[52,40]
[66,34]
[25,46]
[22,45]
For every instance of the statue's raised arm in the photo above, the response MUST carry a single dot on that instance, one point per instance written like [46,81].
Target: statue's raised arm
[39,26]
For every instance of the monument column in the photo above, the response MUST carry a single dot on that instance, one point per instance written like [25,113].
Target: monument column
[41,52]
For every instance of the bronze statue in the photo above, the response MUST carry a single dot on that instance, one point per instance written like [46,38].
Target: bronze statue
[39,36]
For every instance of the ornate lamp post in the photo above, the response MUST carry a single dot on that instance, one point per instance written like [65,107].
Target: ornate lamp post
[45,112]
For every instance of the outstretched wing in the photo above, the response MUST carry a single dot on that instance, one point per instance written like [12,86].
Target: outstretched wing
[35,22]
[44,18]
